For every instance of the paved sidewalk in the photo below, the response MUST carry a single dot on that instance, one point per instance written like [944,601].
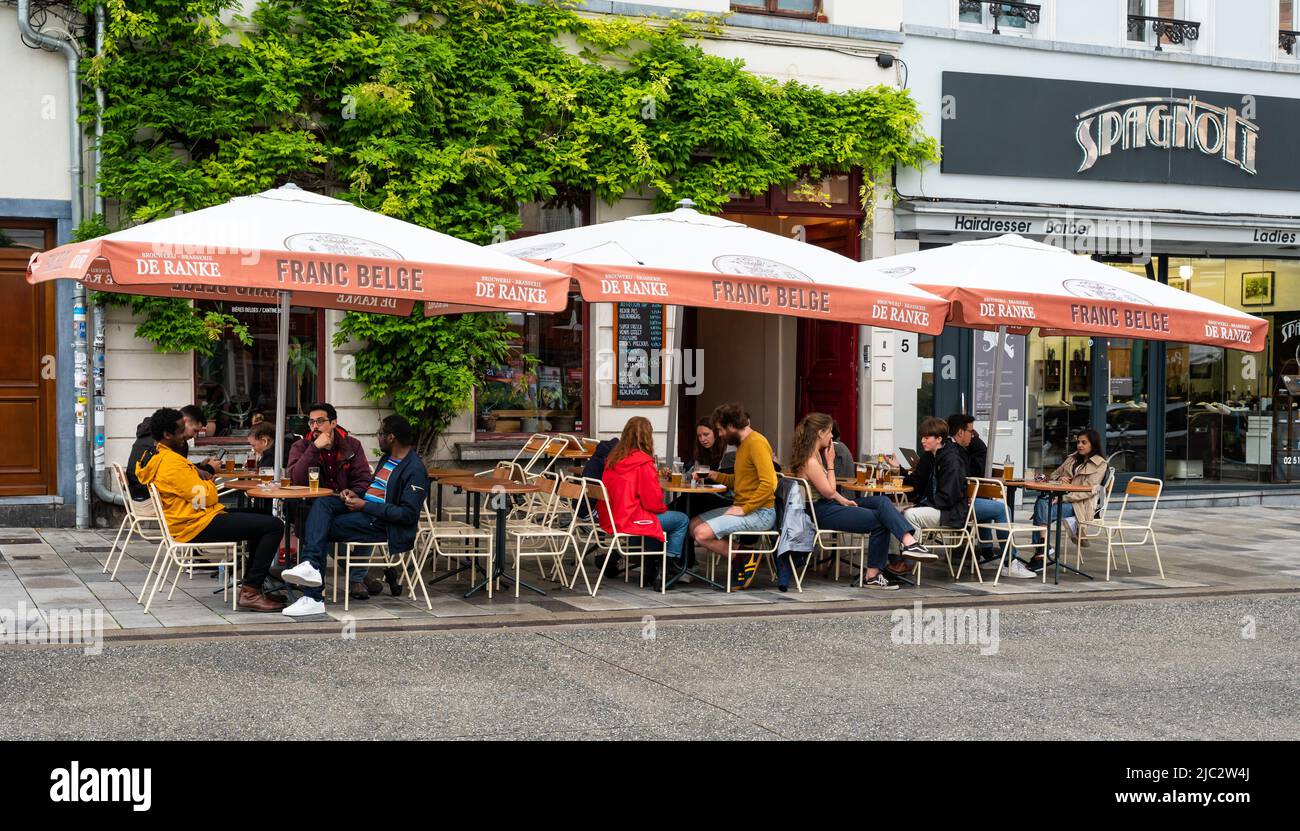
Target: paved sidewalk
[1204,550]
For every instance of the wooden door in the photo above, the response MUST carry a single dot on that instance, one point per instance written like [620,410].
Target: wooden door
[27,375]
[827,360]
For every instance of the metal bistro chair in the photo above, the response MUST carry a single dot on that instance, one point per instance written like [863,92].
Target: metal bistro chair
[828,541]
[1086,532]
[996,489]
[137,521]
[185,555]
[627,545]
[552,533]
[1142,487]
[949,540]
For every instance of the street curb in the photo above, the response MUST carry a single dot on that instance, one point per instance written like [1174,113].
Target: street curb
[413,626]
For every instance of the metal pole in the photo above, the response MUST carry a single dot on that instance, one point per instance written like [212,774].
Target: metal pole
[282,379]
[670,452]
[997,395]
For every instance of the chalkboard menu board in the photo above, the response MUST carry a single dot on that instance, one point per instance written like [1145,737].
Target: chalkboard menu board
[639,334]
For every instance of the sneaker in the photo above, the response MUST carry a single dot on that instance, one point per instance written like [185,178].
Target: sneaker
[916,551]
[304,607]
[303,574]
[1017,569]
[879,583]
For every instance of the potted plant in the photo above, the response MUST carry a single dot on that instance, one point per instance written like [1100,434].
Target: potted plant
[302,363]
[525,385]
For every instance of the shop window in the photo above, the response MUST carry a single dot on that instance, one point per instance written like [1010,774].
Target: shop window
[24,235]
[1162,24]
[808,9]
[1287,26]
[542,385]
[238,380]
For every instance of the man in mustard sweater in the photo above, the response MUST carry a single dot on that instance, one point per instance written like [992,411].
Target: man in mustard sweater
[754,484]
[194,514]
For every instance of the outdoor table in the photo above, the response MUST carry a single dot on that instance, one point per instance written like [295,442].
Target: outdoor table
[500,489]
[254,490]
[437,474]
[687,488]
[1056,492]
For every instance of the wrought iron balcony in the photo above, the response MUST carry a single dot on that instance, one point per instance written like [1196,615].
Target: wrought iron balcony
[1286,40]
[1028,12]
[1178,31]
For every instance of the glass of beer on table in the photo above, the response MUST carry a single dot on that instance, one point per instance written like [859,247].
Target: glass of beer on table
[860,473]
[676,478]
[250,463]
[313,478]
[228,464]
[266,474]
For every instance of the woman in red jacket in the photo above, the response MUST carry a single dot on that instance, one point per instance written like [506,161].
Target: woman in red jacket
[635,499]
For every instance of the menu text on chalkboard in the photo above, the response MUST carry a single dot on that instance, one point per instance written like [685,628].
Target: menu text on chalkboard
[639,334]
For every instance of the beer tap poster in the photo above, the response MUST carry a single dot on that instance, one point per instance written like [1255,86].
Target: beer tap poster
[639,337]
[1042,127]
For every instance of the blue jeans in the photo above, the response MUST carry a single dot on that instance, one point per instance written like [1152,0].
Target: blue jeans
[992,510]
[875,516]
[674,524]
[329,520]
[1045,513]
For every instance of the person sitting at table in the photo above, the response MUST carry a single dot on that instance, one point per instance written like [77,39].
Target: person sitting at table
[709,451]
[812,457]
[388,512]
[962,430]
[194,514]
[1086,466]
[939,485]
[636,501]
[754,486]
[261,440]
[342,463]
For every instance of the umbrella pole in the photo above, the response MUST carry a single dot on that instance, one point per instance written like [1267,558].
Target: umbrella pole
[677,364]
[997,396]
[281,379]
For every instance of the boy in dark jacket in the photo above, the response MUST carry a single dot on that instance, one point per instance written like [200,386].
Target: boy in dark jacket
[388,511]
[939,481]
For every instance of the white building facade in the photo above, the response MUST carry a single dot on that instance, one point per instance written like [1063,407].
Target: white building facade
[1158,135]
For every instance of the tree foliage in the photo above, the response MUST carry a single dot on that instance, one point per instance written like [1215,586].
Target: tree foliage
[449,114]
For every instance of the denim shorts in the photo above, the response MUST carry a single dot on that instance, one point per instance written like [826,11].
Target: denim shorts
[722,525]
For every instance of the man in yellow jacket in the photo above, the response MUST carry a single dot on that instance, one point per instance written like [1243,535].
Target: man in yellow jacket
[193,513]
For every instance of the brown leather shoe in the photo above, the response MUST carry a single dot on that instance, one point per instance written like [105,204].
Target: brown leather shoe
[254,601]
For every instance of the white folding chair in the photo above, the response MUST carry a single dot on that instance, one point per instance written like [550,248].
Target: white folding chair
[627,545]
[826,540]
[1086,532]
[996,489]
[185,555]
[949,540]
[376,554]
[551,533]
[138,520]
[1142,487]
[452,540]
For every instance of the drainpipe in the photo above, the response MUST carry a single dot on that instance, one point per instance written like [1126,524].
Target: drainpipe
[81,369]
[102,493]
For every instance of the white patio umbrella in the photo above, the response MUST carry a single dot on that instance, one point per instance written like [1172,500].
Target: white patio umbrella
[288,245]
[685,258]
[1017,284]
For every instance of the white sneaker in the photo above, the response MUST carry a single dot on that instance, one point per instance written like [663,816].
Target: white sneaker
[303,574]
[304,607]
[1018,569]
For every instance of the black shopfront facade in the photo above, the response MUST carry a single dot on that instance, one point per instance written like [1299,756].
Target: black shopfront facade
[1191,415]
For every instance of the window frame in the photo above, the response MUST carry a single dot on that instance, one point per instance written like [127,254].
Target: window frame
[1275,35]
[1187,10]
[771,7]
[1030,30]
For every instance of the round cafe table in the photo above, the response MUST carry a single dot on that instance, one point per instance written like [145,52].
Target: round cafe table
[254,490]
[437,474]
[1056,492]
[500,490]
[687,488]
[881,489]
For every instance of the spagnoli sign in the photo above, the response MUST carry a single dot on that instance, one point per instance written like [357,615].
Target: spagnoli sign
[1002,125]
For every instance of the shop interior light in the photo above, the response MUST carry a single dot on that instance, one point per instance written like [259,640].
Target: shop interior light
[1185,272]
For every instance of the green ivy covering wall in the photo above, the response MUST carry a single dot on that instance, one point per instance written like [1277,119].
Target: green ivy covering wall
[450,113]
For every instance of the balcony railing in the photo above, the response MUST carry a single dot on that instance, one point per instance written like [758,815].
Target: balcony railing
[1286,40]
[1178,31]
[1028,12]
